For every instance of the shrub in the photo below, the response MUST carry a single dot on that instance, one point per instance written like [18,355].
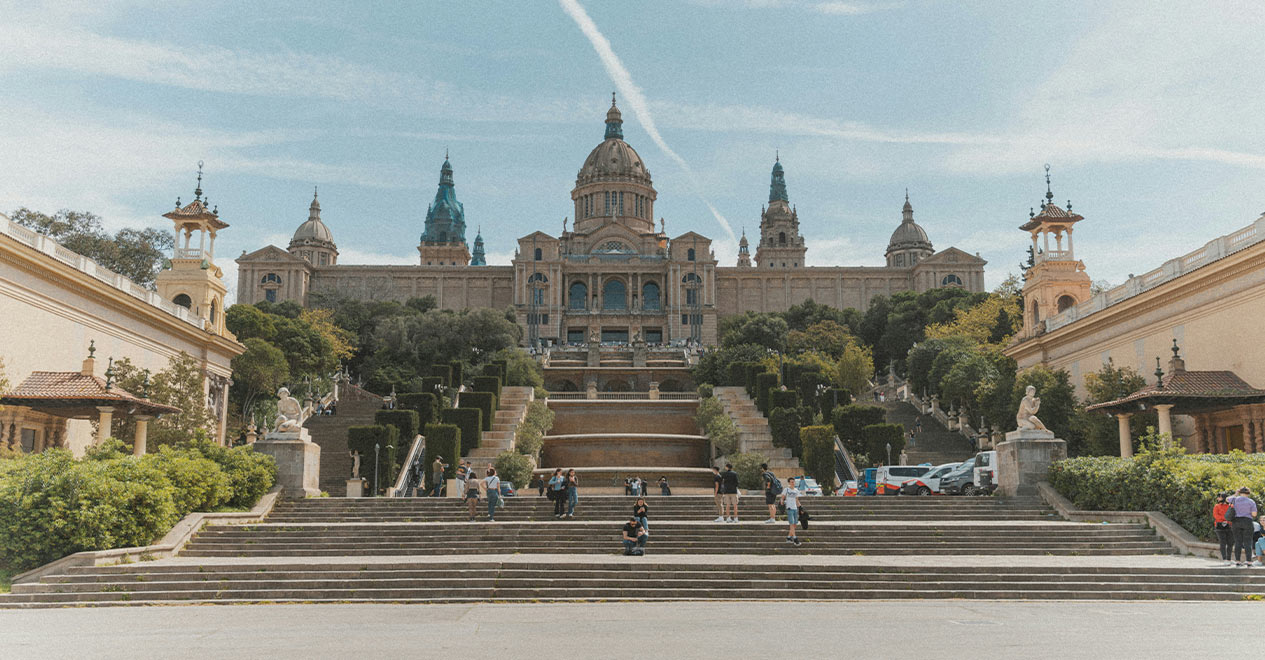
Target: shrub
[458,373]
[487,384]
[529,437]
[422,403]
[705,391]
[764,384]
[198,483]
[783,398]
[470,421]
[442,440]
[784,425]
[878,437]
[441,371]
[748,468]
[849,421]
[485,402]
[514,467]
[1181,487]
[818,444]
[382,463]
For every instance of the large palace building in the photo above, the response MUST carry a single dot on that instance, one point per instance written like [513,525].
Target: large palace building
[613,274]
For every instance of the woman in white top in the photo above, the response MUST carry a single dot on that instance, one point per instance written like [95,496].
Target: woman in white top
[493,485]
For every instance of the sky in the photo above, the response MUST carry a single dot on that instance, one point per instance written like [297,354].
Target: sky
[1149,114]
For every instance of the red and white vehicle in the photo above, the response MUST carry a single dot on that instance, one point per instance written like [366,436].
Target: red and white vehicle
[929,483]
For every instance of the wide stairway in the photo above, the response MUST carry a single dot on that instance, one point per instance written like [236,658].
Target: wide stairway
[421,550]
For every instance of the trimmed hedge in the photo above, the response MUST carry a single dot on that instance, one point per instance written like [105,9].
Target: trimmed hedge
[784,425]
[422,403]
[850,421]
[485,402]
[783,399]
[458,372]
[818,443]
[487,384]
[442,440]
[442,371]
[764,383]
[469,420]
[361,439]
[1181,487]
[878,436]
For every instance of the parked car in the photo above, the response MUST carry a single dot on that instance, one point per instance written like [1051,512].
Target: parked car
[953,482]
[928,483]
[806,485]
[889,478]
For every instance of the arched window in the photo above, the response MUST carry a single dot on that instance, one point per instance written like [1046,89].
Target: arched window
[689,254]
[781,238]
[614,295]
[650,296]
[183,301]
[1065,301]
[951,280]
[579,295]
[540,254]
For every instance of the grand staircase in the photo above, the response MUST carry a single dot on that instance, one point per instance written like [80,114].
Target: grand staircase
[421,550]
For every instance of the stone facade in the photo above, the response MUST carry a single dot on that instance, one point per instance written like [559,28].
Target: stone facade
[614,274]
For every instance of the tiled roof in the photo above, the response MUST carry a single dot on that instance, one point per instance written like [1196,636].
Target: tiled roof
[72,387]
[1191,385]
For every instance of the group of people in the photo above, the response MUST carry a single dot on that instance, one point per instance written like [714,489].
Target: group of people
[637,486]
[1237,523]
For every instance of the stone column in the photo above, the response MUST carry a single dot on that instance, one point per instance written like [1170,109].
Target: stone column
[105,423]
[1126,441]
[1166,422]
[142,434]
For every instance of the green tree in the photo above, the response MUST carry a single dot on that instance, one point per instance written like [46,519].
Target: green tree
[258,372]
[137,254]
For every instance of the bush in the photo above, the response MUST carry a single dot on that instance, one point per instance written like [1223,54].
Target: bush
[818,444]
[362,439]
[748,468]
[487,384]
[764,384]
[458,372]
[849,421]
[442,440]
[705,391]
[1181,487]
[514,467]
[784,425]
[783,398]
[470,421]
[485,402]
[529,437]
[878,437]
[422,403]
[441,371]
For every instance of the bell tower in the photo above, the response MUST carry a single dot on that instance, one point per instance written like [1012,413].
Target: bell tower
[1056,280]
[193,281]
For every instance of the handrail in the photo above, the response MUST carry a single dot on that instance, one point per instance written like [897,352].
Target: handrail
[410,476]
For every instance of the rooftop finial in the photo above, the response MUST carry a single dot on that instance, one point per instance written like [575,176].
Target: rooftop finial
[197,192]
[1049,196]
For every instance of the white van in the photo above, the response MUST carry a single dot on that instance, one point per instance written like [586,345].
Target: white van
[889,478]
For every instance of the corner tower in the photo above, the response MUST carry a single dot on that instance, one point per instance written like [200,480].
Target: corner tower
[614,185]
[193,281]
[780,245]
[444,238]
[1056,280]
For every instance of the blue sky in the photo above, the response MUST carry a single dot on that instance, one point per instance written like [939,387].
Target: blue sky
[1149,113]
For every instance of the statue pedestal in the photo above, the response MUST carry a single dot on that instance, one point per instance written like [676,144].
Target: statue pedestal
[355,488]
[298,461]
[1024,459]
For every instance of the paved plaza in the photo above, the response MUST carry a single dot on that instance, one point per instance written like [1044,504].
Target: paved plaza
[941,629]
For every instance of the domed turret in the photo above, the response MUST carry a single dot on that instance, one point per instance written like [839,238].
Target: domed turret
[614,182]
[313,240]
[909,243]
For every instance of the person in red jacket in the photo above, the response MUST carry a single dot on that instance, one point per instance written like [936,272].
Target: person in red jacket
[1224,537]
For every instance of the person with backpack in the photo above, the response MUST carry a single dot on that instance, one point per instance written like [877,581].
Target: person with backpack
[772,489]
[729,492]
[558,493]
[1240,515]
[634,537]
[1225,538]
[493,485]
[790,497]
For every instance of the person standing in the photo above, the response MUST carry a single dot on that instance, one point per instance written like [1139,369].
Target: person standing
[558,491]
[640,511]
[772,489]
[729,492]
[790,496]
[1225,537]
[716,485]
[1244,512]
[437,474]
[573,492]
[634,537]
[492,483]
[473,486]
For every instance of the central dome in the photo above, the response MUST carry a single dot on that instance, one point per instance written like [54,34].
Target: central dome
[613,159]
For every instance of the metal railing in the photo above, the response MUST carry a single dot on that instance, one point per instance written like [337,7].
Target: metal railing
[410,477]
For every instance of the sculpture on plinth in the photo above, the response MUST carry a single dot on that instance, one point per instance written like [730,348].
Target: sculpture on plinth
[1026,418]
[289,413]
